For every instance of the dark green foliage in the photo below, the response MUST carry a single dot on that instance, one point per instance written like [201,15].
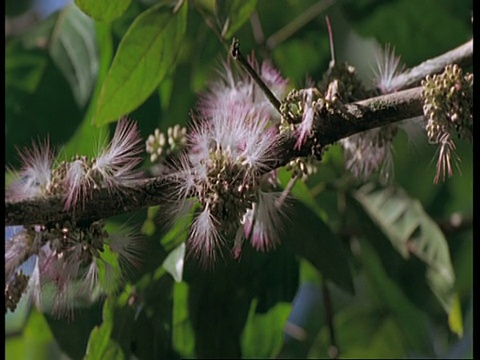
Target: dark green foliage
[397,279]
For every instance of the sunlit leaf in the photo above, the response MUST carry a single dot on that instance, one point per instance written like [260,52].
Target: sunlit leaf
[73,49]
[263,333]
[103,10]
[182,333]
[34,342]
[174,262]
[101,346]
[455,320]
[143,58]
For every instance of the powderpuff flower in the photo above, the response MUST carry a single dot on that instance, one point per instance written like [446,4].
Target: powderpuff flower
[308,104]
[222,169]
[65,264]
[233,90]
[113,168]
[262,223]
[34,178]
[370,151]
[387,69]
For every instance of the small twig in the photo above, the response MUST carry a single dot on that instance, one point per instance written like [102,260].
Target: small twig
[332,45]
[333,351]
[303,19]
[237,55]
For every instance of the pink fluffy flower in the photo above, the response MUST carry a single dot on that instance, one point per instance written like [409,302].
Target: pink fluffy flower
[228,157]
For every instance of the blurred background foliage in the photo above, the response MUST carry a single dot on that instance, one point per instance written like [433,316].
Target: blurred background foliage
[73,68]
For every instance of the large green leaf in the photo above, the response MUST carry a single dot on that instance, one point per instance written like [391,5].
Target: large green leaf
[362,333]
[144,56]
[34,342]
[263,333]
[182,333]
[88,138]
[311,238]
[23,70]
[409,318]
[411,231]
[234,13]
[101,346]
[103,10]
[73,49]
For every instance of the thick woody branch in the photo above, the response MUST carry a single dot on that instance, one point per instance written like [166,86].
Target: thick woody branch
[348,120]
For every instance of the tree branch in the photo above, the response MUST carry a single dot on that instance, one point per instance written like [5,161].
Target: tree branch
[351,119]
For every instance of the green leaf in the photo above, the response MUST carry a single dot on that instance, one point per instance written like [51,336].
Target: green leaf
[263,333]
[23,70]
[311,238]
[182,331]
[73,49]
[101,346]
[103,10]
[411,231]
[87,137]
[410,319]
[35,342]
[174,262]
[235,13]
[144,56]
[178,232]
[380,335]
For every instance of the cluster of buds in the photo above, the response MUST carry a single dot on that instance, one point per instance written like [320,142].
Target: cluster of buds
[448,105]
[68,256]
[158,145]
[224,170]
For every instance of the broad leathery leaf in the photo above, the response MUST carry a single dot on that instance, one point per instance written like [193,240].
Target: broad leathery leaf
[311,238]
[73,49]
[235,13]
[103,10]
[263,333]
[411,231]
[144,56]
[101,346]
[35,341]
[410,319]
[174,262]
[88,138]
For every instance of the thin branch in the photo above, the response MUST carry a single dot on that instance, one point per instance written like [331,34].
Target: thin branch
[462,56]
[351,119]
